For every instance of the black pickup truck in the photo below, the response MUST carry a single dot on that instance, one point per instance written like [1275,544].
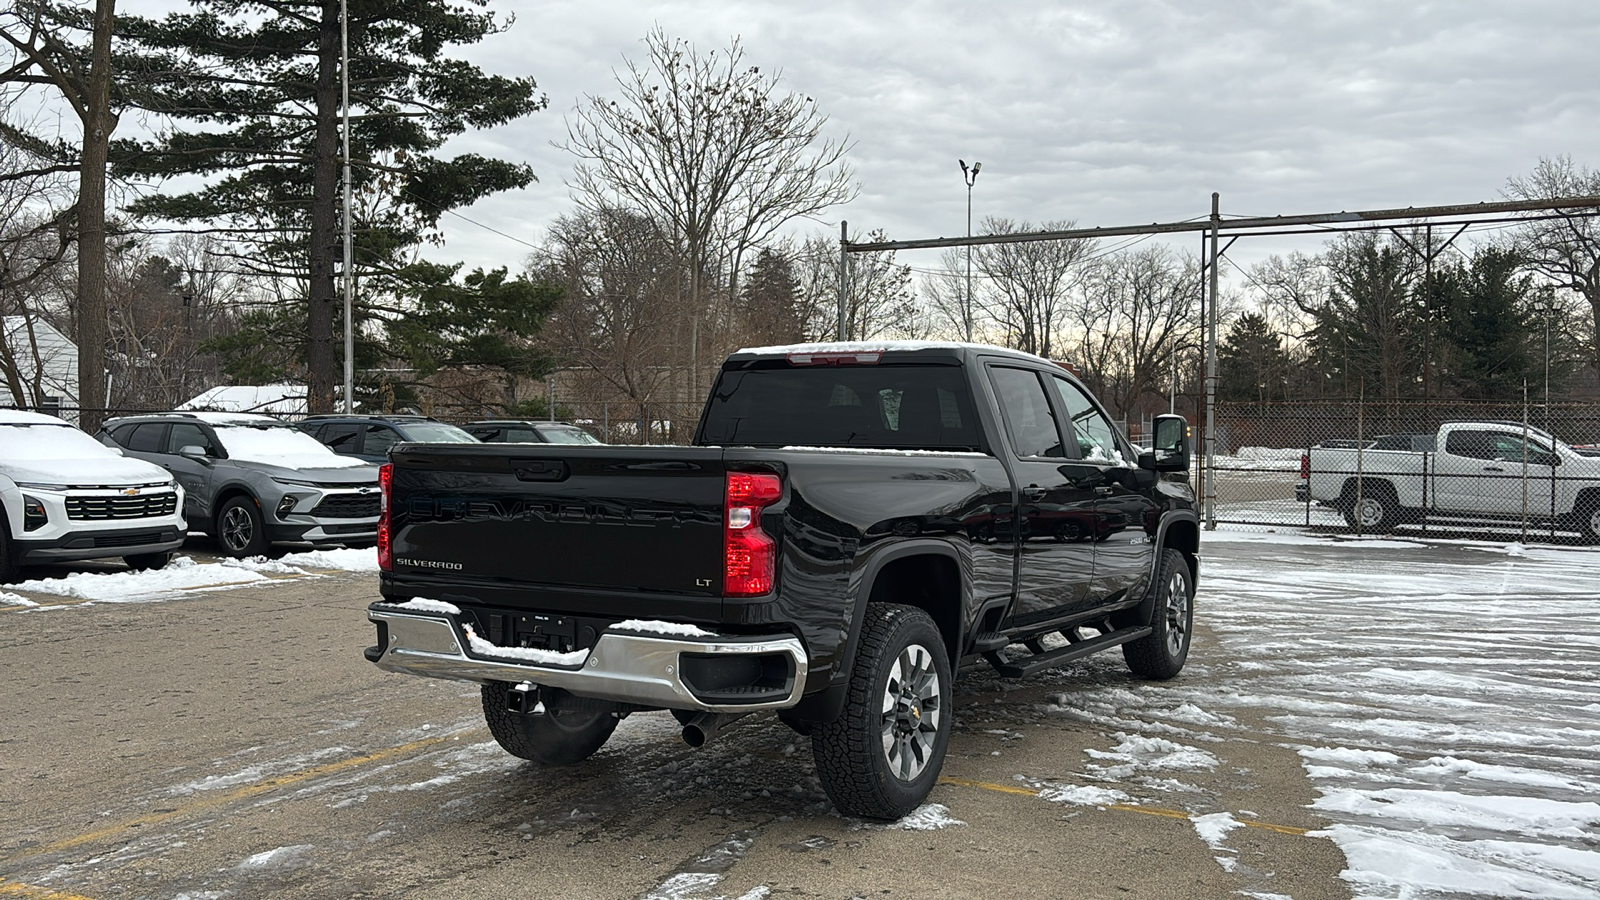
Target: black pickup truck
[852,522]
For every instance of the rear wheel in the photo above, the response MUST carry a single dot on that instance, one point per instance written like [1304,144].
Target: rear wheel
[1162,653]
[881,757]
[1377,509]
[556,737]
[141,562]
[1589,519]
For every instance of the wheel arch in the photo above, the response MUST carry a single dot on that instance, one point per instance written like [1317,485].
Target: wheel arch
[922,573]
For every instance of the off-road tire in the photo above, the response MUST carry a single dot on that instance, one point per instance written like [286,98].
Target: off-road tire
[877,763]
[148,562]
[555,738]
[1378,509]
[240,529]
[1161,654]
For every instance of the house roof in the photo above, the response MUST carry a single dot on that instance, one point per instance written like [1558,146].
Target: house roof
[257,398]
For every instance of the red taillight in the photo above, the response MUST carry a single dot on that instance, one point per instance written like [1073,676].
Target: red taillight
[749,555]
[385,552]
[1305,465]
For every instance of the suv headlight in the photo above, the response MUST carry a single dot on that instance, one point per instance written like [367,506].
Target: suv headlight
[40,486]
[34,516]
[295,482]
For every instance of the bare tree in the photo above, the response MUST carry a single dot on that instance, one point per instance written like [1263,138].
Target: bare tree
[1565,249]
[616,321]
[1134,312]
[1029,281]
[947,299]
[880,302]
[712,152]
[44,51]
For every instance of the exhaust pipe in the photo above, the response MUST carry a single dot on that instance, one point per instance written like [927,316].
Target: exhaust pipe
[704,726]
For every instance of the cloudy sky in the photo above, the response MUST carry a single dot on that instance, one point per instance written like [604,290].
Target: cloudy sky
[1107,113]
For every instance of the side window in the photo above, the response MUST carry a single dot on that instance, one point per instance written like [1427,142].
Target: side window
[186,435]
[122,434]
[379,439]
[149,437]
[1470,444]
[341,437]
[1095,438]
[1027,412]
[487,435]
[524,436]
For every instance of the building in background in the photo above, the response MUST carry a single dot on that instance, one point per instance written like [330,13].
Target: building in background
[38,367]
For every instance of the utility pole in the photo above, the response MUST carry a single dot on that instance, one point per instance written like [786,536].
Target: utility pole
[1211,370]
[844,276]
[969,176]
[349,251]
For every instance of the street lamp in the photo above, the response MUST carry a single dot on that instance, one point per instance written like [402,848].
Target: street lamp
[969,176]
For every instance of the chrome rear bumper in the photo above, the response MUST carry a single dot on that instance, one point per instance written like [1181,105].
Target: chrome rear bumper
[625,667]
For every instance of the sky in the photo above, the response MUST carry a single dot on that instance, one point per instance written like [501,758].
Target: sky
[1103,114]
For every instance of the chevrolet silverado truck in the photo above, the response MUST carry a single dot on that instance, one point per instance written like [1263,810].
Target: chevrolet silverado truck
[1485,472]
[851,523]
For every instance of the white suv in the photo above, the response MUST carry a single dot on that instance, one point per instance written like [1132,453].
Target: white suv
[67,497]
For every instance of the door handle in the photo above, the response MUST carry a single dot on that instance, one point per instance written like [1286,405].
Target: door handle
[1103,490]
[1034,492]
[1493,469]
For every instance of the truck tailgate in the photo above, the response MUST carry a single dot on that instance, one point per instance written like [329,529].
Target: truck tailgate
[638,519]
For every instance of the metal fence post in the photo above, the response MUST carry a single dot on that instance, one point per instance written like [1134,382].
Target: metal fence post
[1211,371]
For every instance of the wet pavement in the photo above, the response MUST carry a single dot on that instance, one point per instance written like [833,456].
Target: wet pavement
[234,743]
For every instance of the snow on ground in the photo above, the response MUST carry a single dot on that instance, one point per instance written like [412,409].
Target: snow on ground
[1441,696]
[185,574]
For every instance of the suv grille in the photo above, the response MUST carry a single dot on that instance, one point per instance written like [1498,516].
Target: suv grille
[348,506]
[119,506]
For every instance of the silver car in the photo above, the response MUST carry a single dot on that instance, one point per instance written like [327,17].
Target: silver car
[251,481]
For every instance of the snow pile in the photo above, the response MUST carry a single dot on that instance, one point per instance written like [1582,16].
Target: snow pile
[525,654]
[652,626]
[1083,795]
[344,559]
[182,574]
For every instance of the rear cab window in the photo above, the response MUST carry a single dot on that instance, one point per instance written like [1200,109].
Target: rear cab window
[909,406]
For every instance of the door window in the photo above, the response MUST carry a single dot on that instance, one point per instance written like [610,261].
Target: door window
[1027,413]
[186,435]
[1089,431]
[379,439]
[149,437]
[341,437]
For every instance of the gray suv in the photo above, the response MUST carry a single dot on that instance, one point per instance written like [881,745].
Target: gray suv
[251,481]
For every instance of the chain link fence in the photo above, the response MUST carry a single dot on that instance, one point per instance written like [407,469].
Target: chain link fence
[1380,468]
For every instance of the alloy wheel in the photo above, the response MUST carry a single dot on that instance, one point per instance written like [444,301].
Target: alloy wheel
[911,712]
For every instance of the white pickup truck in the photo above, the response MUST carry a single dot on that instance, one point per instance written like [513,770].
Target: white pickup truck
[1479,471]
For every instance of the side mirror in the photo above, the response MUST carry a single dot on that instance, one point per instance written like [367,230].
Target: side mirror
[1171,444]
[194,452]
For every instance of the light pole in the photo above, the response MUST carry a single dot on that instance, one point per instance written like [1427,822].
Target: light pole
[969,176]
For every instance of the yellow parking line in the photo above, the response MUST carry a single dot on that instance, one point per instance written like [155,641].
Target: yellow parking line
[34,892]
[241,793]
[1119,807]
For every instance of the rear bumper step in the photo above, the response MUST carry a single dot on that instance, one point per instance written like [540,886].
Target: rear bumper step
[643,669]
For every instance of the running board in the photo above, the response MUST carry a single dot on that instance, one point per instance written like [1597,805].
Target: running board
[1028,665]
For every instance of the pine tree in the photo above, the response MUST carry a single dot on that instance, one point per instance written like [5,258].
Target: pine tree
[1252,365]
[257,84]
[1485,324]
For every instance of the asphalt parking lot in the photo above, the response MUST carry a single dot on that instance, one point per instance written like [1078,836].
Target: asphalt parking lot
[233,743]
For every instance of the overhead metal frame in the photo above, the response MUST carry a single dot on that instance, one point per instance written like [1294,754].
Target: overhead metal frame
[1212,229]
